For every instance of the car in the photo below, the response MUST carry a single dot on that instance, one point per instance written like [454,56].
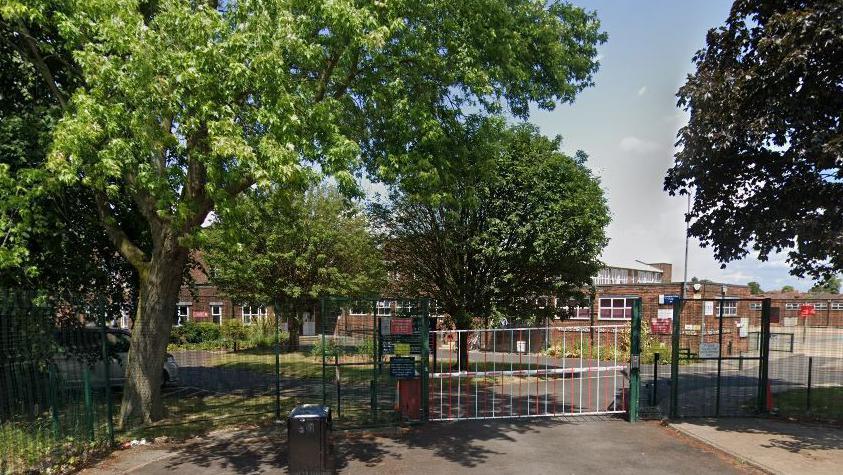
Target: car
[81,347]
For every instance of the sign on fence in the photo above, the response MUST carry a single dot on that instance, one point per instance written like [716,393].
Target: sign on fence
[709,350]
[807,310]
[401,326]
[402,367]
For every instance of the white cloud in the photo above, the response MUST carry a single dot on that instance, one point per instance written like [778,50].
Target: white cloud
[635,145]
[642,91]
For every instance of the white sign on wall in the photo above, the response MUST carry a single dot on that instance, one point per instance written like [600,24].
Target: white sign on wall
[665,313]
[708,308]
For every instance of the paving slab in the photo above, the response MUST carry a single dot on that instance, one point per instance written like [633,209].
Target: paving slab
[534,446]
[775,446]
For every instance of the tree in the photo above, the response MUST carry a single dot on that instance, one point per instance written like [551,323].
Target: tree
[182,106]
[788,288]
[755,288]
[519,220]
[293,249]
[50,239]
[828,285]
[762,149]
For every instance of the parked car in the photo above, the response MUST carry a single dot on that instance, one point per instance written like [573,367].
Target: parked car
[81,347]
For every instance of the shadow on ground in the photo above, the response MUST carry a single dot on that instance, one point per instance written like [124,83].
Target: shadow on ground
[793,437]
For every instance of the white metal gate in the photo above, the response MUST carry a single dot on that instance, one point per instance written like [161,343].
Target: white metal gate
[529,372]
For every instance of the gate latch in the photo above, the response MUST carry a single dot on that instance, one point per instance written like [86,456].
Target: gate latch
[635,362]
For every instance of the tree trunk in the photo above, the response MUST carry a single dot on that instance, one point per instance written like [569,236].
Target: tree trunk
[159,291]
[463,340]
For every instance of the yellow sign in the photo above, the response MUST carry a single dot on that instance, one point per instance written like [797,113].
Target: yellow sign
[402,348]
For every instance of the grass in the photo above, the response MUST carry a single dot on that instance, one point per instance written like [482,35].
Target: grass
[293,365]
[826,403]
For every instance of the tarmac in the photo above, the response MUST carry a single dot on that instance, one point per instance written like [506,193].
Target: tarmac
[516,446]
[772,445]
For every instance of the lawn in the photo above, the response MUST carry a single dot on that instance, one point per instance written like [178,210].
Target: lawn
[826,403]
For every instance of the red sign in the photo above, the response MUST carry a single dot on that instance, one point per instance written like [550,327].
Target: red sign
[401,326]
[661,326]
[807,310]
[200,315]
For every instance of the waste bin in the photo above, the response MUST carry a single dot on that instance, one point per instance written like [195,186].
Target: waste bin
[308,439]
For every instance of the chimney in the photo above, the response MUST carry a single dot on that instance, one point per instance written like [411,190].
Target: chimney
[666,268]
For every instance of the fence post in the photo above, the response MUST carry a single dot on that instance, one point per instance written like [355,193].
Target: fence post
[106,358]
[764,354]
[655,393]
[674,359]
[635,361]
[324,374]
[719,353]
[375,361]
[277,309]
[810,370]
[425,335]
[87,398]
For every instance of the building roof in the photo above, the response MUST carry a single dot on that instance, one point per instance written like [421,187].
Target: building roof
[632,264]
[800,296]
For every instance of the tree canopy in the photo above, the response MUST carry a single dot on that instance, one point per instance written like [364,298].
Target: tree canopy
[828,285]
[754,288]
[523,220]
[293,247]
[763,150]
[177,107]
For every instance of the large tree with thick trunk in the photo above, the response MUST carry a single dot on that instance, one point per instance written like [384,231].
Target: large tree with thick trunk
[179,106]
[514,220]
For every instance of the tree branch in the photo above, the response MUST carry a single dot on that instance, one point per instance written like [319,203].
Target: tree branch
[41,66]
[118,237]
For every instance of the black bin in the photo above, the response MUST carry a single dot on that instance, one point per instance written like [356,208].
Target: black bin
[308,439]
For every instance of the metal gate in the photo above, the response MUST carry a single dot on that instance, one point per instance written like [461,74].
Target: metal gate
[720,356]
[375,358]
[535,372]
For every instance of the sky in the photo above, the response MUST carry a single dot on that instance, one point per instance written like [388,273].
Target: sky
[628,122]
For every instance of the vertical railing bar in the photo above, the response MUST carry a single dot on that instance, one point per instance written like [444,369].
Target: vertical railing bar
[529,367]
[615,373]
[459,374]
[476,394]
[599,374]
[582,349]
[564,366]
[494,368]
[511,361]
[546,332]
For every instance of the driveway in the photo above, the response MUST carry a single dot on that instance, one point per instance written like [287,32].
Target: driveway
[540,445]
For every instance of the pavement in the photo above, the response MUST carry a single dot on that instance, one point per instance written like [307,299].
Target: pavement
[775,446]
[516,446]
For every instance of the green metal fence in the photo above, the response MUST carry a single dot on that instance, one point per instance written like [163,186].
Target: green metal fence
[55,405]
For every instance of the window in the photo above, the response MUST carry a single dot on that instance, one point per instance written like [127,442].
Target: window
[820,306]
[837,305]
[216,313]
[648,277]
[755,305]
[612,276]
[404,307]
[182,314]
[615,308]
[574,312]
[251,313]
[360,308]
[730,308]
[384,308]
[792,306]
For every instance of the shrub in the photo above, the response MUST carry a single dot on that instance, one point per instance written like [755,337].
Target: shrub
[331,349]
[194,332]
[233,330]
[365,347]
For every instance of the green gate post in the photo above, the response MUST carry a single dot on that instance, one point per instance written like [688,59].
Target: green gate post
[674,359]
[54,410]
[109,404]
[635,361]
[324,374]
[764,354]
[425,331]
[277,309]
[87,399]
[375,361]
